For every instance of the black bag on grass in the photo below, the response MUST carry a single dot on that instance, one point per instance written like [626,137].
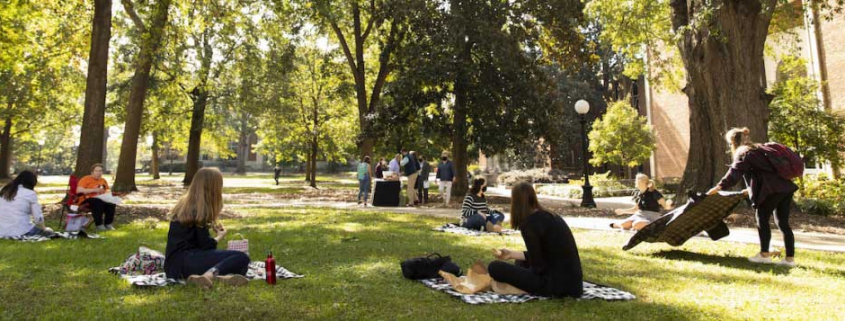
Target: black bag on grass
[426,267]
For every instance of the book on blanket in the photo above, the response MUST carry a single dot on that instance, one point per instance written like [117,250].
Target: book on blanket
[109,198]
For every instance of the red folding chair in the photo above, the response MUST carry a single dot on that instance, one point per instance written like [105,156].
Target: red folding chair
[70,201]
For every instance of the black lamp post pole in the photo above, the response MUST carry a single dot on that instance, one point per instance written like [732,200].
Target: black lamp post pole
[38,161]
[587,195]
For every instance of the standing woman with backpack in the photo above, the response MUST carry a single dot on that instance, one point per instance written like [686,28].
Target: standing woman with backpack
[769,189]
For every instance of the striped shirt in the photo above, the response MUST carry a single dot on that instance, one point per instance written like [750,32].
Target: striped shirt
[473,204]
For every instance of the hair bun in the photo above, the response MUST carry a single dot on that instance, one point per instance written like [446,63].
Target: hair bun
[746,131]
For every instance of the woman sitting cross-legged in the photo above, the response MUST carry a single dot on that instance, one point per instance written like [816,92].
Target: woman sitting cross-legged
[191,251]
[18,203]
[475,214]
[551,265]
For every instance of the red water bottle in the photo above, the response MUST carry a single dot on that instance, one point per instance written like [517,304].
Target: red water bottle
[270,265]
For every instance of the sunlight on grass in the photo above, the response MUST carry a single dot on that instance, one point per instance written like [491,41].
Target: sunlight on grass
[351,262]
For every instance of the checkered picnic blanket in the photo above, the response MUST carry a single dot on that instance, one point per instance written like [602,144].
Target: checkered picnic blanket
[254,272]
[591,291]
[457,229]
[58,235]
[699,214]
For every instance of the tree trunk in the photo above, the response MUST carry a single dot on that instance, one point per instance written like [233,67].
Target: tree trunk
[314,162]
[125,177]
[200,97]
[91,144]
[725,86]
[308,166]
[6,148]
[155,160]
[243,146]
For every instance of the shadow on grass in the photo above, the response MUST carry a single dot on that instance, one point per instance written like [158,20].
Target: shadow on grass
[722,260]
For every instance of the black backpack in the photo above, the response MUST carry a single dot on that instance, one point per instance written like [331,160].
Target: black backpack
[426,267]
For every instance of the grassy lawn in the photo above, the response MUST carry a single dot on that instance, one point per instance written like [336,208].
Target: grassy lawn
[351,262]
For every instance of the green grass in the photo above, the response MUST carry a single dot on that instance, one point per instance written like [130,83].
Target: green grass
[351,262]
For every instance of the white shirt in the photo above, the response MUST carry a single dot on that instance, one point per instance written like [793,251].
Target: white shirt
[394,166]
[14,215]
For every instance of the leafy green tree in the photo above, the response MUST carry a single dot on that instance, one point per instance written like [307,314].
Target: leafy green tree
[798,118]
[621,137]
[149,40]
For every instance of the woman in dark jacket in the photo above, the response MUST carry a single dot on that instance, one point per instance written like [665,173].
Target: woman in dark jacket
[551,265]
[769,193]
[191,251]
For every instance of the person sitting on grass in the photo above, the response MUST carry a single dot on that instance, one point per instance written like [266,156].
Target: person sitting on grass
[191,251]
[88,189]
[551,265]
[18,203]
[647,209]
[475,214]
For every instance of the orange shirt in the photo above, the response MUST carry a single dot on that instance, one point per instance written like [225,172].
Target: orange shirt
[90,182]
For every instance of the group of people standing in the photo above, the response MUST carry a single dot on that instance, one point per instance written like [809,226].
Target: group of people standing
[416,168]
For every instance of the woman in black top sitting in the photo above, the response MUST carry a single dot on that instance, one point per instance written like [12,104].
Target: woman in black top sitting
[648,203]
[551,265]
[475,214]
[191,251]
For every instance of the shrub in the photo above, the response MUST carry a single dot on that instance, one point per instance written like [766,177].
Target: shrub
[537,175]
[821,194]
[605,186]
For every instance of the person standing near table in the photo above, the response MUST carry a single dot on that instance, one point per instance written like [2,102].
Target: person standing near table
[445,175]
[422,181]
[411,170]
[365,176]
[394,164]
[380,168]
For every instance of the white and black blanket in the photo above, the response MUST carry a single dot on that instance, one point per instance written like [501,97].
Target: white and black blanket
[254,272]
[57,235]
[591,291]
[457,229]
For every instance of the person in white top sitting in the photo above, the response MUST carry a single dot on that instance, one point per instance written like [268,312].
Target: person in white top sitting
[18,203]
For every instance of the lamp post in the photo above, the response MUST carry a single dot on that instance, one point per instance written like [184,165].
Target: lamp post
[582,107]
[38,161]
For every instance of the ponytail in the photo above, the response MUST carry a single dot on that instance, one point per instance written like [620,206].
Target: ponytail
[25,178]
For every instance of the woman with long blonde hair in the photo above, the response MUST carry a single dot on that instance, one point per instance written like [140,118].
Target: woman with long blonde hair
[191,251]
[770,194]
[648,203]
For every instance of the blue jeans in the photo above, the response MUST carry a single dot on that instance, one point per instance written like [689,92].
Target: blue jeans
[226,262]
[478,222]
[38,231]
[364,189]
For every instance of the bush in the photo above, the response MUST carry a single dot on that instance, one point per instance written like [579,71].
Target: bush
[537,175]
[822,195]
[605,186]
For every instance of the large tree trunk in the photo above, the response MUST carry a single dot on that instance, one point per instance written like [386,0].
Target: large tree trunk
[315,118]
[91,144]
[725,80]
[6,148]
[155,160]
[200,98]
[125,176]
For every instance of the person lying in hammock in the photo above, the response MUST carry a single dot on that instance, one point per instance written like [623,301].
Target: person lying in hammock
[648,201]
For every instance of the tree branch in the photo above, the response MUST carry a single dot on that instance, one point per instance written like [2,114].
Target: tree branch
[130,9]
[345,46]
[384,64]
[371,22]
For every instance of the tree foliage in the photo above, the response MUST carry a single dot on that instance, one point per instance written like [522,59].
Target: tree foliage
[621,137]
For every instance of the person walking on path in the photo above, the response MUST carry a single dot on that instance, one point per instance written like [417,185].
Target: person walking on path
[422,181]
[444,177]
[365,175]
[411,170]
[769,193]
[276,173]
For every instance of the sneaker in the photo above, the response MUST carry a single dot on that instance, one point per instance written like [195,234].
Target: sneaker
[759,258]
[786,263]
[201,281]
[109,227]
[102,228]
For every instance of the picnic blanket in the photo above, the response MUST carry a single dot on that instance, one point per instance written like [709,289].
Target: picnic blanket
[254,272]
[591,291]
[701,213]
[457,229]
[58,235]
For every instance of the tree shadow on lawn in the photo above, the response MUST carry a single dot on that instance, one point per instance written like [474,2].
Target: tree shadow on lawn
[722,260]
